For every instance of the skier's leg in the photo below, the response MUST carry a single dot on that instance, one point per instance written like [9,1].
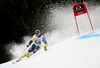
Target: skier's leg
[27,53]
[30,54]
[31,49]
[36,49]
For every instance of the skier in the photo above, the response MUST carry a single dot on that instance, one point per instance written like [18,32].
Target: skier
[37,40]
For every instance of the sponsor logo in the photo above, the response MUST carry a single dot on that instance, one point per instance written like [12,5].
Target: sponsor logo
[79,8]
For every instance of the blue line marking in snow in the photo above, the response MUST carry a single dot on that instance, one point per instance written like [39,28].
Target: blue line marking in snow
[90,35]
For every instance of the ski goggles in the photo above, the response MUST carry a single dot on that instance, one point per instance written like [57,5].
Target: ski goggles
[37,34]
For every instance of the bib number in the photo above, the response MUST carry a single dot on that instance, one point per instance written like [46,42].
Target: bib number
[38,41]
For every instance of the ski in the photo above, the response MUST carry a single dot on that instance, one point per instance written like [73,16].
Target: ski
[28,56]
[17,60]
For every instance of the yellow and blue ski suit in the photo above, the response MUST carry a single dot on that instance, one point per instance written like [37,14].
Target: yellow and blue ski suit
[36,44]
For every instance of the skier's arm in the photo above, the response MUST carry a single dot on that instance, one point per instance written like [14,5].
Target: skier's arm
[30,41]
[45,46]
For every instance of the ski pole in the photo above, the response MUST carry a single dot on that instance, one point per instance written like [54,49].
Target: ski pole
[24,50]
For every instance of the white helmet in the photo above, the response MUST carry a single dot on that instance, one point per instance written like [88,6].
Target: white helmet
[37,32]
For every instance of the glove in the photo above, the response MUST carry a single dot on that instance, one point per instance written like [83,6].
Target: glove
[28,45]
[45,48]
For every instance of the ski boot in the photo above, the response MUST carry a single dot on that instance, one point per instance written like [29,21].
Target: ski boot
[30,54]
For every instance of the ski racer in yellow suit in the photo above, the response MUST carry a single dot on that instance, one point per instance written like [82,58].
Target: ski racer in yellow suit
[37,40]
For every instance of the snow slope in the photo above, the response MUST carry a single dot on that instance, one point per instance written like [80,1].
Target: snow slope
[81,52]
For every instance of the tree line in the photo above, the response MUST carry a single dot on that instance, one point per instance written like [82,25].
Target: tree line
[19,18]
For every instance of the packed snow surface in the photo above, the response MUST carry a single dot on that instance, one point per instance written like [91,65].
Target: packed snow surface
[80,52]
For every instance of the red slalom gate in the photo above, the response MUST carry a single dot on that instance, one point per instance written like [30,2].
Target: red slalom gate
[79,9]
